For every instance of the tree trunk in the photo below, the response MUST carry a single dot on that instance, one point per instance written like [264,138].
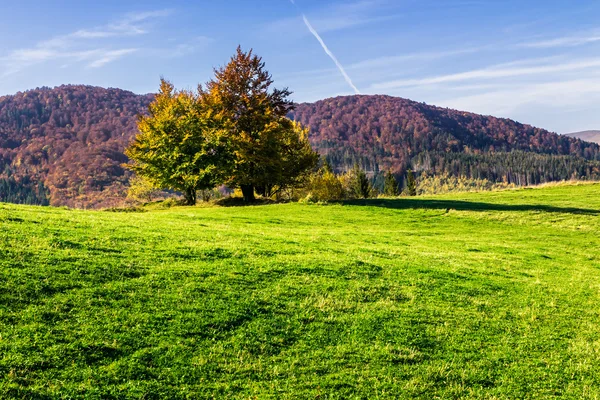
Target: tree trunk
[190,197]
[248,192]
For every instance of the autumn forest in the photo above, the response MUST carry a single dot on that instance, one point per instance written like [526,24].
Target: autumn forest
[65,146]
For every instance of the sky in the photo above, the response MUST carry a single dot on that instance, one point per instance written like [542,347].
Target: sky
[536,61]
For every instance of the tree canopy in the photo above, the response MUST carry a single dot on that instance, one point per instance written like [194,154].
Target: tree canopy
[271,151]
[236,131]
[180,146]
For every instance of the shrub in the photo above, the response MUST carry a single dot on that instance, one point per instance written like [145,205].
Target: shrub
[390,185]
[324,185]
[142,190]
[357,185]
[448,183]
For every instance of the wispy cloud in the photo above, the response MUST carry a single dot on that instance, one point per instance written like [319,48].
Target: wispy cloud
[339,66]
[181,49]
[110,56]
[566,41]
[130,25]
[331,55]
[82,45]
[335,17]
[387,61]
[492,73]
[512,99]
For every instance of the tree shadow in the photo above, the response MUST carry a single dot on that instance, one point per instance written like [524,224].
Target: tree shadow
[239,202]
[459,205]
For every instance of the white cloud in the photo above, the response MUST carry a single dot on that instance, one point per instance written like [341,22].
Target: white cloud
[110,56]
[495,72]
[81,45]
[422,56]
[567,41]
[512,99]
[130,25]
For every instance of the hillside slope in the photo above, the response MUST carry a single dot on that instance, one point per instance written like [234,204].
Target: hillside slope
[588,136]
[483,296]
[390,132]
[67,143]
[71,138]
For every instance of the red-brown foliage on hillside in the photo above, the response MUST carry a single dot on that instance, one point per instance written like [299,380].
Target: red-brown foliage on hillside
[388,132]
[72,138]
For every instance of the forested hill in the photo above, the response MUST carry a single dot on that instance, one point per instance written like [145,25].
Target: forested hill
[390,132]
[71,140]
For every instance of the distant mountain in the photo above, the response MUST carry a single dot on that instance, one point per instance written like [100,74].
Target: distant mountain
[390,133]
[65,145]
[70,138]
[588,136]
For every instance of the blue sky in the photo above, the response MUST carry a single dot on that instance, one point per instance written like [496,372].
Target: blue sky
[531,60]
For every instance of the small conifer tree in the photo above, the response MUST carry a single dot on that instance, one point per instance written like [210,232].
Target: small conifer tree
[390,185]
[359,185]
[411,183]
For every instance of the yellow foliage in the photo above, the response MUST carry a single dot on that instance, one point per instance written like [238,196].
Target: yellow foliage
[440,184]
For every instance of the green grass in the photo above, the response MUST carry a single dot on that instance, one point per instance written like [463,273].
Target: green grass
[484,295]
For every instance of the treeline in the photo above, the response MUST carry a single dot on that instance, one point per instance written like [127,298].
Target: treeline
[516,167]
[72,139]
[389,132]
[23,192]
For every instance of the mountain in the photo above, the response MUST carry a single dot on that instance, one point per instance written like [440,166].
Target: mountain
[71,138]
[390,133]
[588,136]
[65,145]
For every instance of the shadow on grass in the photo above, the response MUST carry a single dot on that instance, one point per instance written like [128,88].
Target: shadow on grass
[239,202]
[448,205]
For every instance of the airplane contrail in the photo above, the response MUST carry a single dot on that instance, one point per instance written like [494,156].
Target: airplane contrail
[329,53]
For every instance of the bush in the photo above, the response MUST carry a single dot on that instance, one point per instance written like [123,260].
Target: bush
[448,184]
[357,185]
[141,190]
[390,185]
[209,194]
[324,185]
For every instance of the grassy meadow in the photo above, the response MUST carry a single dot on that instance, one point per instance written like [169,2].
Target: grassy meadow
[480,295]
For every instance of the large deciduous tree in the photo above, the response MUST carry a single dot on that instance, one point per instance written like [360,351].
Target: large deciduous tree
[180,145]
[270,150]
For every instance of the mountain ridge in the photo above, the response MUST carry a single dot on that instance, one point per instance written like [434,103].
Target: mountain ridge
[71,139]
[592,136]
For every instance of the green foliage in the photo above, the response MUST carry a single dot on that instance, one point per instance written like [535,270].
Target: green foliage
[324,185]
[180,146]
[522,168]
[235,132]
[272,152]
[411,183]
[292,161]
[391,186]
[358,185]
[397,298]
[23,191]
[142,190]
[449,184]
